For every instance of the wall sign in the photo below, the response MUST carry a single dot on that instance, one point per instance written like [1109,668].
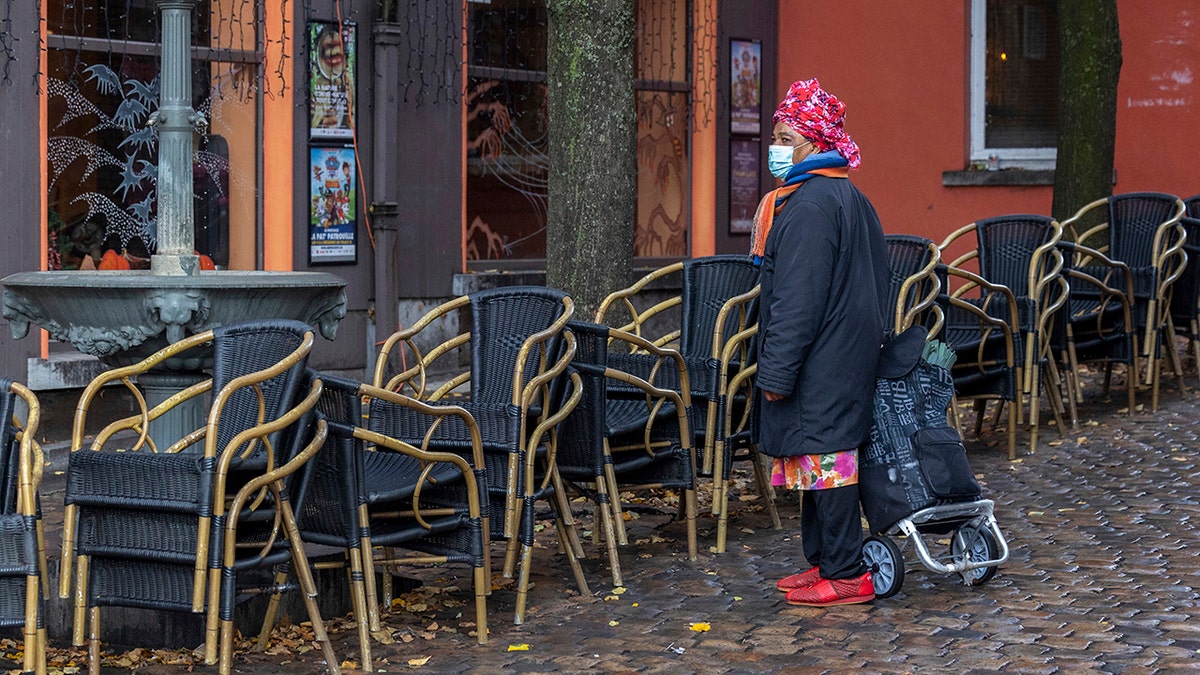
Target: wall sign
[744,190]
[331,68]
[332,214]
[745,86]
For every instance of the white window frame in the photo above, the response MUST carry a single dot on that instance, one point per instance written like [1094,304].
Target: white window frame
[1025,158]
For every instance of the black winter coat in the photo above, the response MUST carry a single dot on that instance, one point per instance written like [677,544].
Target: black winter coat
[824,291]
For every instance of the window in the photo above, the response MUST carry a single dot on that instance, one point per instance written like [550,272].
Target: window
[506,129]
[102,86]
[1014,82]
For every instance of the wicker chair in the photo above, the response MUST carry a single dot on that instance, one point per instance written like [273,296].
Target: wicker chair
[1185,295]
[172,528]
[985,367]
[914,286]
[1142,230]
[1097,325]
[369,489]
[518,353]
[713,323]
[1020,253]
[23,570]
[614,441]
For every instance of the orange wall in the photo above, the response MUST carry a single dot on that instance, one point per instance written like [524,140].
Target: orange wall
[901,69]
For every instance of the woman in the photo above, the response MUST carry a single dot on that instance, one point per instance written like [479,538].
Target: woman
[824,291]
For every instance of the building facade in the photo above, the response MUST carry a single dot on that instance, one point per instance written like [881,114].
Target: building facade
[402,145]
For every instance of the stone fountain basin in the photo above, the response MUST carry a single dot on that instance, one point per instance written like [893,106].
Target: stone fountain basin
[123,316]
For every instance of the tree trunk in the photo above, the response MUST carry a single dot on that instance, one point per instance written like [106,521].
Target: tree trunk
[1090,44]
[592,138]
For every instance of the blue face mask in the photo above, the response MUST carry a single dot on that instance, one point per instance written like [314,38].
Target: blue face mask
[779,160]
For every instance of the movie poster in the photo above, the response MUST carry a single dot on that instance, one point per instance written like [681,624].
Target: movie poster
[744,191]
[332,221]
[745,86]
[331,68]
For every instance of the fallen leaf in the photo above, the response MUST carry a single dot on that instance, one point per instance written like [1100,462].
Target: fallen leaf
[523,647]
[700,627]
[419,661]
[614,623]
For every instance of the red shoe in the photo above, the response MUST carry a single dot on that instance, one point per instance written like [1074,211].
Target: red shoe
[804,579]
[826,592]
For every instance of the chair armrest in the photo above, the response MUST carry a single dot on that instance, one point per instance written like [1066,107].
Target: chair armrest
[436,414]
[125,376]
[415,377]
[659,395]
[639,317]
[1071,225]
[992,291]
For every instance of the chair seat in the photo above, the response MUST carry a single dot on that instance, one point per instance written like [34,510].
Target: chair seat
[165,482]
[392,476]
[626,416]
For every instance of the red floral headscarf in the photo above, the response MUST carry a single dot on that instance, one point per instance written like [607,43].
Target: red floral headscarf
[819,117]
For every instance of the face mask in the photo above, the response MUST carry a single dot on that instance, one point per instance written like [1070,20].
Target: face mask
[779,160]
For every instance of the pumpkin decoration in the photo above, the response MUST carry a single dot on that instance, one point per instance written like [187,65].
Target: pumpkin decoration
[206,263]
[111,260]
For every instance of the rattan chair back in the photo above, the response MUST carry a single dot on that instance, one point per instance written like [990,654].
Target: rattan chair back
[22,559]
[502,322]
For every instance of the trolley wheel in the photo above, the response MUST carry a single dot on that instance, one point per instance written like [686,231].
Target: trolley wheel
[980,544]
[883,558]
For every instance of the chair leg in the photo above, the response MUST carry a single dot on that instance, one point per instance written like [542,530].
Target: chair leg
[763,481]
[482,586]
[606,513]
[387,591]
[79,622]
[689,500]
[565,520]
[40,668]
[360,601]
[1054,395]
[1069,384]
[980,410]
[1035,405]
[32,645]
[213,627]
[272,613]
[614,498]
[93,642]
[307,587]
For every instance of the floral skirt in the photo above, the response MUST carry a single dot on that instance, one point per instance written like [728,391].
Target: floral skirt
[816,472]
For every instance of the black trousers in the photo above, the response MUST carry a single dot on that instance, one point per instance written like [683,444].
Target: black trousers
[831,531]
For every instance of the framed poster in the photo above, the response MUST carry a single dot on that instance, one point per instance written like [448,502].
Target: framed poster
[331,67]
[332,212]
[745,109]
[744,191]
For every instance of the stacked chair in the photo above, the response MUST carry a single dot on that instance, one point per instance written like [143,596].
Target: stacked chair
[617,440]
[712,323]
[913,283]
[517,350]
[181,527]
[23,570]
[369,489]
[1018,256]
[1143,231]
[1185,297]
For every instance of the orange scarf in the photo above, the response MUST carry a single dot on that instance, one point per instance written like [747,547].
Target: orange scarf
[772,203]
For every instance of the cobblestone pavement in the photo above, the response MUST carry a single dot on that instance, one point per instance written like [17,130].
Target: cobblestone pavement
[1102,576]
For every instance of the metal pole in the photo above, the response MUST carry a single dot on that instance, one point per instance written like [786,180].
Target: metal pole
[176,122]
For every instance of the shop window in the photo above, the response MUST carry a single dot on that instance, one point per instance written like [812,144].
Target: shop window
[506,129]
[1014,82]
[101,88]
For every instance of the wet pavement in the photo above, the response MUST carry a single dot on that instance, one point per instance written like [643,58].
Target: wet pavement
[1102,577]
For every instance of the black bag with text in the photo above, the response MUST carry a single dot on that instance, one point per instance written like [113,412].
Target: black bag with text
[915,459]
